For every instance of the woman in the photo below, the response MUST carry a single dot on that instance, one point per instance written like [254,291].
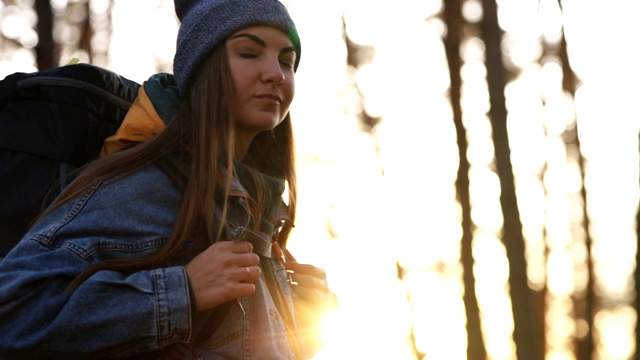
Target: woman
[174,247]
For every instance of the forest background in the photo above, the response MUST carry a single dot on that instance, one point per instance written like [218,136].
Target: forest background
[469,169]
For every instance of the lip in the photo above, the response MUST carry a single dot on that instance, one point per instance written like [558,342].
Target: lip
[271,98]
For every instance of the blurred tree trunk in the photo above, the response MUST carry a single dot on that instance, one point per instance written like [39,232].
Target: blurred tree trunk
[86,31]
[527,335]
[455,23]
[46,54]
[583,304]
[77,16]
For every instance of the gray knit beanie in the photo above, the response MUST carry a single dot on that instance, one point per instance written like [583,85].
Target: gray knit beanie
[207,23]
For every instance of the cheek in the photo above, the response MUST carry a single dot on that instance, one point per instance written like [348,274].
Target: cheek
[241,80]
[290,91]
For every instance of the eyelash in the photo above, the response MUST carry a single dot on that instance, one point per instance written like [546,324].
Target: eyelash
[288,64]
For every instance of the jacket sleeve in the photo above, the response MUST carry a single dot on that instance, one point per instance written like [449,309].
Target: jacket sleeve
[110,313]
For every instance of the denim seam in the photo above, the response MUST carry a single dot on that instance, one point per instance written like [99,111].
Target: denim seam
[189,305]
[88,252]
[47,237]
[164,316]
[159,325]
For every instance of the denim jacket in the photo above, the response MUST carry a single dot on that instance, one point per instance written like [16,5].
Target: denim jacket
[114,314]
[143,311]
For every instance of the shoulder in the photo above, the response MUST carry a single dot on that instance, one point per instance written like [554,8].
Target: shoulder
[130,213]
[140,192]
[147,195]
[150,184]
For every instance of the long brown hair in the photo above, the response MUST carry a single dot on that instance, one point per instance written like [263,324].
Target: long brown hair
[202,133]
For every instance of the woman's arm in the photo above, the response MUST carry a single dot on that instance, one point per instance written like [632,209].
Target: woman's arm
[109,313]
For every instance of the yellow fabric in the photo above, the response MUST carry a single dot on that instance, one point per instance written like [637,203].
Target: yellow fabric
[141,123]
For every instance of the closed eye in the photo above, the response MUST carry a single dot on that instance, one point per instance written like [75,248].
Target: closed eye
[288,64]
[288,57]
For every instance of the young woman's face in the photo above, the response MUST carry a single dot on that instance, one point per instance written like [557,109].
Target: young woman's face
[261,59]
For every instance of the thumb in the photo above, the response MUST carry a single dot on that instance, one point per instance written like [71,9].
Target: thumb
[289,257]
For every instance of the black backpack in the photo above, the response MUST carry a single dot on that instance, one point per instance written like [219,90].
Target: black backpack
[52,122]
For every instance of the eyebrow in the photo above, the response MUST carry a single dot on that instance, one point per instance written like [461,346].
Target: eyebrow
[261,42]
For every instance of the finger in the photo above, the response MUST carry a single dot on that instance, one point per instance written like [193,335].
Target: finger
[239,260]
[307,269]
[242,247]
[245,289]
[251,259]
[310,282]
[312,295]
[289,257]
[249,274]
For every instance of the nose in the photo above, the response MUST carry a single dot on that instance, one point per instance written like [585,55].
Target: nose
[273,72]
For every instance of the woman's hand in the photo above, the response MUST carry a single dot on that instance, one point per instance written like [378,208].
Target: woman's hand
[312,299]
[224,271]
[309,282]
